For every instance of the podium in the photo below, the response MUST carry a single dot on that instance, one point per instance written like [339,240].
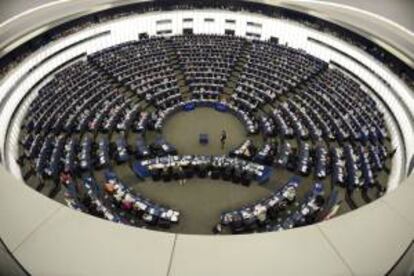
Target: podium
[203,138]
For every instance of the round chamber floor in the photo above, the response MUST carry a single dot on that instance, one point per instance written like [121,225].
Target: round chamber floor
[183,130]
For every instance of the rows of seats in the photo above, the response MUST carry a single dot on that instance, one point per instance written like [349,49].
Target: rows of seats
[76,155]
[271,71]
[308,212]
[173,167]
[116,202]
[73,90]
[350,114]
[207,62]
[246,118]
[371,48]
[145,67]
[259,214]
[139,206]
[281,210]
[353,165]
[97,113]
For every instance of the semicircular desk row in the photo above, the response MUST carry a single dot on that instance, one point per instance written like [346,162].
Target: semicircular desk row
[48,238]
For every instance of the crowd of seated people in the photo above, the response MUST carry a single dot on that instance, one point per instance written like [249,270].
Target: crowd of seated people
[139,206]
[314,119]
[249,121]
[14,58]
[245,151]
[350,113]
[174,167]
[254,217]
[328,107]
[207,62]
[271,71]
[307,213]
[115,202]
[281,210]
[353,165]
[87,197]
[145,67]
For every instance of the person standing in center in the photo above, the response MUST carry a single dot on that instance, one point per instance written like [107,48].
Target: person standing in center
[223,138]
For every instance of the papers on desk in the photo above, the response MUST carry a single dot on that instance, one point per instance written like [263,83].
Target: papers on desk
[174,161]
[258,211]
[139,203]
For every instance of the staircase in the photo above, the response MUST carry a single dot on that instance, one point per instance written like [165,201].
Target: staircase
[242,60]
[182,85]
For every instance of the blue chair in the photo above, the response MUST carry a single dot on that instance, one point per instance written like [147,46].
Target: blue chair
[140,170]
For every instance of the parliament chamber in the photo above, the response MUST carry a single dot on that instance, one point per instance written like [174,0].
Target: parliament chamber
[227,119]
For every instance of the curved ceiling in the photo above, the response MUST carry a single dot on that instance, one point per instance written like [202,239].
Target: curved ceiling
[399,11]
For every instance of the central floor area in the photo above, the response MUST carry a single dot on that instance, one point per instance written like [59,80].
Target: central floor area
[183,130]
